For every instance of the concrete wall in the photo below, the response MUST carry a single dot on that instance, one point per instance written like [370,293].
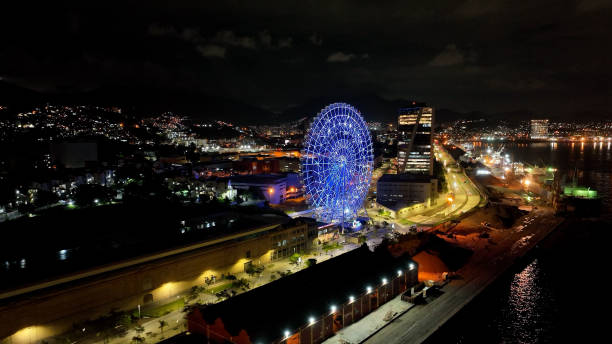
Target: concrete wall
[47,313]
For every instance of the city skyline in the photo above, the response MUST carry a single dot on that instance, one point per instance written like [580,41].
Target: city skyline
[194,182]
[314,172]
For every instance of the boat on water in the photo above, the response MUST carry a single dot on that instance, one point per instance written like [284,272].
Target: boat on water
[580,200]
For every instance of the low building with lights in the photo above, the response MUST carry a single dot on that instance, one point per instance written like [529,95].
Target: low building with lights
[272,186]
[397,191]
[235,243]
[538,129]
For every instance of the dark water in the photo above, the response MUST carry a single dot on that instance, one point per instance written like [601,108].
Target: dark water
[557,294]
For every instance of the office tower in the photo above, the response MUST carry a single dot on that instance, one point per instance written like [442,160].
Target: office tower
[415,139]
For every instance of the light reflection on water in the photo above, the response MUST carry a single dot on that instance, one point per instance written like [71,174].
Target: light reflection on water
[549,300]
[554,298]
[521,318]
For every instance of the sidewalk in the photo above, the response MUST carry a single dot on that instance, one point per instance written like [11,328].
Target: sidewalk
[371,323]
[176,322]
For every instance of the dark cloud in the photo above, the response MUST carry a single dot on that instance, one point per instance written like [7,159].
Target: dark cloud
[340,57]
[450,56]
[593,5]
[490,55]
[315,39]
[345,57]
[285,42]
[212,50]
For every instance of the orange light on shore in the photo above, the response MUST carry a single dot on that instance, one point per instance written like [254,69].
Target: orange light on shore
[450,200]
[270,190]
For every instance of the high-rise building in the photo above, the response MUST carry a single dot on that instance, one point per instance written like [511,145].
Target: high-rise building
[539,129]
[415,139]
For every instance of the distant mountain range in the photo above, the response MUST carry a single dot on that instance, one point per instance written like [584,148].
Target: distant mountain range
[141,102]
[144,102]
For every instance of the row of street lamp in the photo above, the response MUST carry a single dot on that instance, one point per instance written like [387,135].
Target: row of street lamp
[333,309]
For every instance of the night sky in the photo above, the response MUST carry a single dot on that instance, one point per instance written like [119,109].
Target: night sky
[551,57]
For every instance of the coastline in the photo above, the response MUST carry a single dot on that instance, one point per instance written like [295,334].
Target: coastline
[486,266]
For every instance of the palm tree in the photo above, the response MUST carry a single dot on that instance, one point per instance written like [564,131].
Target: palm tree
[162,324]
[138,339]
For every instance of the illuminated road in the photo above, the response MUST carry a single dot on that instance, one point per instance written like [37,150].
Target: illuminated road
[466,194]
[466,197]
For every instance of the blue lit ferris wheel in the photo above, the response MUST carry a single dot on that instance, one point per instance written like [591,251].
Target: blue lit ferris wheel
[337,163]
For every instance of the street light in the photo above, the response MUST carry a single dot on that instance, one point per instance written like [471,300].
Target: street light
[333,309]
[384,281]
[411,266]
[351,299]
[311,320]
[287,334]
[368,289]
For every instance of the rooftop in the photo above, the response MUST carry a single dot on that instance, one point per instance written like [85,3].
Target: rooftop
[287,303]
[406,177]
[59,242]
[413,105]
[396,205]
[258,178]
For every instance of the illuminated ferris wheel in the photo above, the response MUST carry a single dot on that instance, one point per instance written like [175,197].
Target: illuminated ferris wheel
[337,163]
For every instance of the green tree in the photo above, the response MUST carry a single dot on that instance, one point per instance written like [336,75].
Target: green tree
[45,198]
[241,283]
[438,172]
[253,269]
[295,258]
[162,324]
[310,262]
[106,334]
[139,329]
[87,194]
[192,154]
[125,320]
